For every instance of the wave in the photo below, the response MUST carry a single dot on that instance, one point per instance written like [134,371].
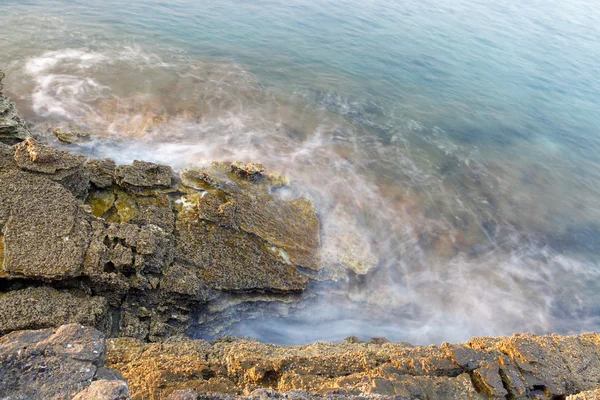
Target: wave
[431,248]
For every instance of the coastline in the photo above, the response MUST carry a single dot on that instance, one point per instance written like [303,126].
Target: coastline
[144,256]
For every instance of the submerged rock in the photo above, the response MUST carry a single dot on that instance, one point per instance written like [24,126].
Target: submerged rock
[70,136]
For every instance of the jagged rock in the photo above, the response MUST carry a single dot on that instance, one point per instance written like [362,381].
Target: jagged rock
[142,174]
[33,156]
[104,390]
[12,128]
[549,366]
[101,172]
[227,259]
[50,363]
[44,307]
[290,225]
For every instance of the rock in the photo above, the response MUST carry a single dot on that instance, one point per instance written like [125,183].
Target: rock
[104,390]
[44,307]
[290,225]
[12,128]
[71,136]
[181,280]
[251,171]
[33,156]
[46,232]
[142,174]
[586,395]
[50,363]
[227,259]
[60,166]
[184,395]
[249,369]
[101,172]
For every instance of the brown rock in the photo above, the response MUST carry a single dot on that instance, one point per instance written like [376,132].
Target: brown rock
[104,390]
[101,172]
[142,174]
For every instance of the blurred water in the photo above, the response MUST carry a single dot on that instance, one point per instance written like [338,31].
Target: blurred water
[452,143]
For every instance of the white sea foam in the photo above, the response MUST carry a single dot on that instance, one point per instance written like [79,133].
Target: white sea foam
[62,89]
[437,253]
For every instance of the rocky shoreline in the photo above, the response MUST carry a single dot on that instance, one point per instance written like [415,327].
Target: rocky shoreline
[147,257]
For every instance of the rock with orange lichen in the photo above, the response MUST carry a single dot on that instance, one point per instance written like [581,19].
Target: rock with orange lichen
[516,367]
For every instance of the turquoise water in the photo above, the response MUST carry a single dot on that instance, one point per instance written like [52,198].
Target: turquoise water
[450,146]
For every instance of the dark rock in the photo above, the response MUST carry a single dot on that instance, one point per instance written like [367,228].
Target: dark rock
[103,373]
[50,363]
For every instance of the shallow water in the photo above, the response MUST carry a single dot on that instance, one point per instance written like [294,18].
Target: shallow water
[453,142]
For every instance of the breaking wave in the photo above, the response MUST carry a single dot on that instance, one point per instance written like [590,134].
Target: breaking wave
[438,239]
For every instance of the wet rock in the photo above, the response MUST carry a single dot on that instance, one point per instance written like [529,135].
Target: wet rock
[104,390]
[70,137]
[50,363]
[251,171]
[33,156]
[227,259]
[142,174]
[12,128]
[289,225]
[44,307]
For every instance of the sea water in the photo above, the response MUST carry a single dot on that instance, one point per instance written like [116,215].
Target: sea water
[450,146]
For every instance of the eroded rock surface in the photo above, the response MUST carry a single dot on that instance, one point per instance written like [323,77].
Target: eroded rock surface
[516,367]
